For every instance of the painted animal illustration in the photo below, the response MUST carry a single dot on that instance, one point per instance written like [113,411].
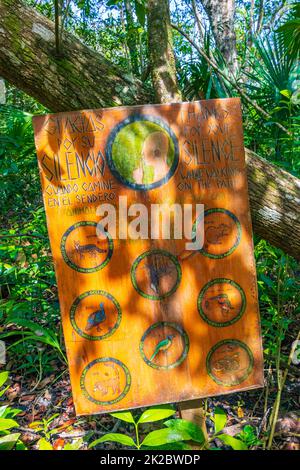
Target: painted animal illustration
[110,382]
[228,363]
[91,250]
[163,345]
[223,302]
[96,318]
[157,268]
[215,233]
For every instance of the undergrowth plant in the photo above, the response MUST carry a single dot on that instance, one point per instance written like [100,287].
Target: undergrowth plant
[48,431]
[8,440]
[175,435]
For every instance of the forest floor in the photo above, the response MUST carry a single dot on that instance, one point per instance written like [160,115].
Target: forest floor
[28,290]
[51,399]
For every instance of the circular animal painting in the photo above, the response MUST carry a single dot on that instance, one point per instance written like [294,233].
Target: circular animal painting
[229,362]
[86,247]
[142,152]
[222,232]
[221,302]
[164,345]
[105,381]
[156,274]
[95,315]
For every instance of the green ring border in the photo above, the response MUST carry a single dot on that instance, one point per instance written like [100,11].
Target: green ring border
[236,244]
[221,281]
[238,343]
[112,136]
[140,258]
[99,360]
[75,305]
[73,265]
[176,327]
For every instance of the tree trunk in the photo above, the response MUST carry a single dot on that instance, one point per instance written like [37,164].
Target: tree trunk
[76,78]
[131,38]
[198,19]
[221,18]
[162,60]
[274,202]
[166,89]
[84,79]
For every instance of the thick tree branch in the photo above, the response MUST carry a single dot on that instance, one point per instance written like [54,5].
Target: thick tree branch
[79,78]
[198,19]
[162,60]
[221,17]
[250,28]
[84,79]
[260,17]
[58,35]
[274,203]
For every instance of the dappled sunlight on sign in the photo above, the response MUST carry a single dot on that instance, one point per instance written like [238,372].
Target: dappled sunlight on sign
[150,319]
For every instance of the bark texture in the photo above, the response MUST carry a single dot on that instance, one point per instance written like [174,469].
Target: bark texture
[274,203]
[131,39]
[162,60]
[2,91]
[77,78]
[221,18]
[84,79]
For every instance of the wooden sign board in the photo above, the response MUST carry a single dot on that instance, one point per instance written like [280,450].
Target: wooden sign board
[145,322]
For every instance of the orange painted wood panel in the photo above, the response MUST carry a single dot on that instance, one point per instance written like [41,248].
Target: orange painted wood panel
[146,321]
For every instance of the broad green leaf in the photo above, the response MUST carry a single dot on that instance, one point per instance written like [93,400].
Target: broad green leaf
[3,411]
[3,390]
[165,436]
[14,333]
[286,93]
[123,416]
[115,437]
[156,414]
[195,433]
[8,442]
[236,444]
[37,425]
[11,412]
[44,335]
[75,445]
[219,419]
[20,445]
[43,444]
[170,446]
[7,424]
[3,378]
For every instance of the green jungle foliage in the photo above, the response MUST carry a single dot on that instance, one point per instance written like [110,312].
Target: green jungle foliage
[268,72]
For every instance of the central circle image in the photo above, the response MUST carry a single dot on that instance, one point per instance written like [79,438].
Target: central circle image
[142,152]
[105,381]
[95,315]
[164,345]
[156,274]
[83,250]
